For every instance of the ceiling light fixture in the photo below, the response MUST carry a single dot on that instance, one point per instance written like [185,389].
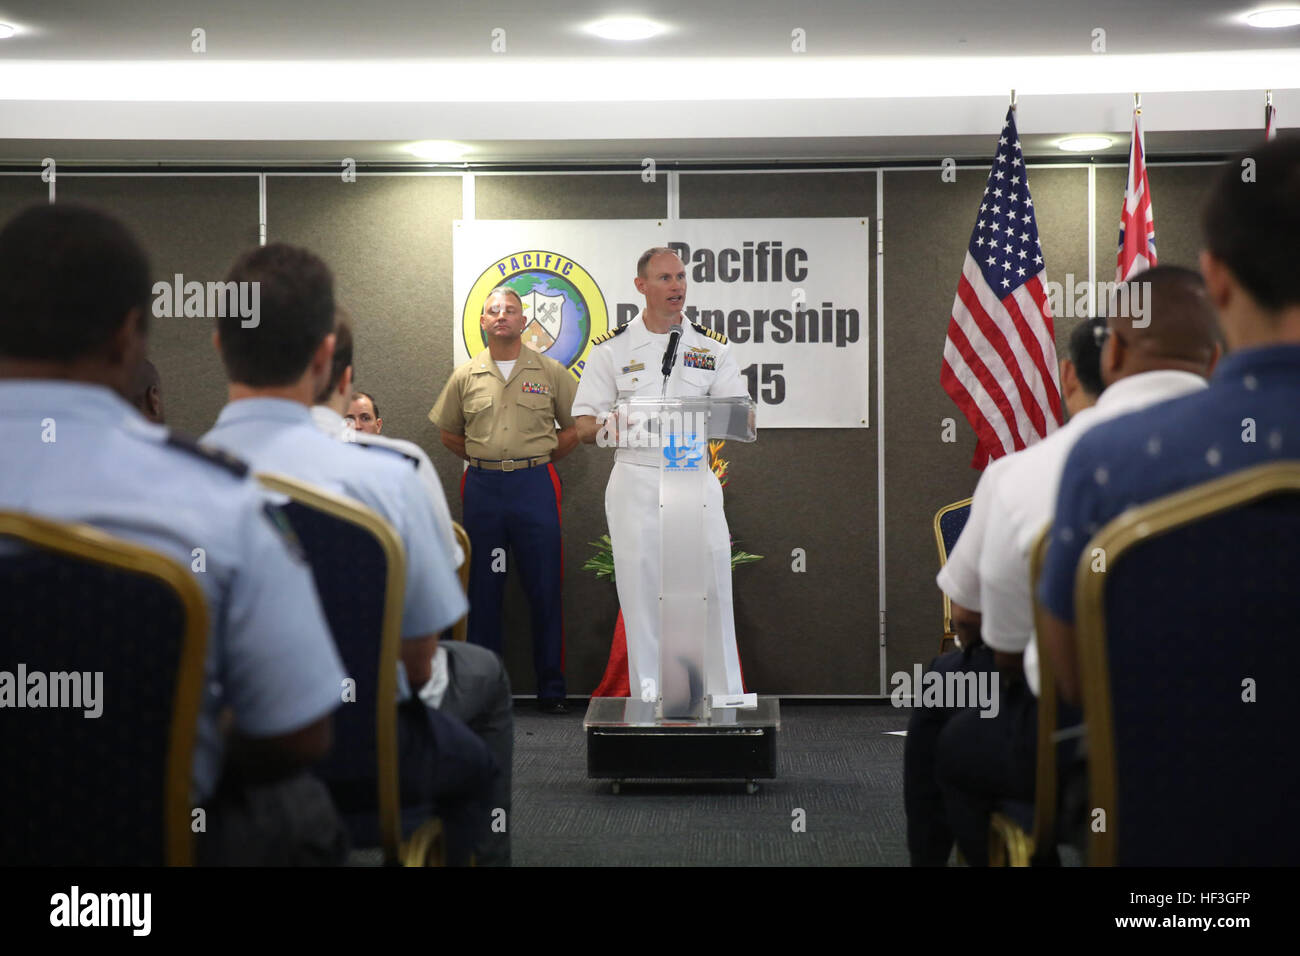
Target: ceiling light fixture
[437,150]
[1274,18]
[6,31]
[624,28]
[1084,144]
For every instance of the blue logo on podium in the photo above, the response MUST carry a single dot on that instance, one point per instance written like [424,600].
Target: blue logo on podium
[684,451]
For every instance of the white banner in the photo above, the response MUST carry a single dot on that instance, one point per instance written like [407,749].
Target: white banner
[789,294]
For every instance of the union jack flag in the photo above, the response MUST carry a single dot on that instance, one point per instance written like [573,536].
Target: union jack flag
[1137,229]
[999,361]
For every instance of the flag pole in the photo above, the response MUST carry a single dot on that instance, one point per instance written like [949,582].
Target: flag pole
[1013,99]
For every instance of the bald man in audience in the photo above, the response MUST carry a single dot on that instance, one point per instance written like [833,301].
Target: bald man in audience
[929,835]
[1161,344]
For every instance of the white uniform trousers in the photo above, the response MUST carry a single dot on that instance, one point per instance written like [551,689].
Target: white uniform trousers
[632,509]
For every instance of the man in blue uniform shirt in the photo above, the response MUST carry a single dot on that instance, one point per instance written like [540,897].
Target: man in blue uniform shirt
[74,306]
[277,369]
[1252,243]
[468,681]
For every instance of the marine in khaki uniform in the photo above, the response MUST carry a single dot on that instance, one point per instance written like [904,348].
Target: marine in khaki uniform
[499,412]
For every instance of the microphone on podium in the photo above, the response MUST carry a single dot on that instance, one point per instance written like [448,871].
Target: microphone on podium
[670,353]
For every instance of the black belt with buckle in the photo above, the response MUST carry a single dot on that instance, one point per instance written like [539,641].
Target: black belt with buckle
[508,464]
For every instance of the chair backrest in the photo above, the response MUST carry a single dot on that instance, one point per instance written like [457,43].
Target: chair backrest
[1184,639]
[85,615]
[1045,779]
[461,631]
[359,566]
[948,522]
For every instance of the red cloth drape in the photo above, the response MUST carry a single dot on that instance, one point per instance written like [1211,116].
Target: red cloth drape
[614,683]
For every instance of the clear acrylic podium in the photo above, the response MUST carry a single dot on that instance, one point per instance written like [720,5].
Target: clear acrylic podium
[688,726]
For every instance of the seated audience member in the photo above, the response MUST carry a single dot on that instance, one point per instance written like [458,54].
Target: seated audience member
[276,370]
[929,833]
[74,311]
[363,414]
[469,682]
[328,413]
[1252,244]
[1166,352]
[146,392]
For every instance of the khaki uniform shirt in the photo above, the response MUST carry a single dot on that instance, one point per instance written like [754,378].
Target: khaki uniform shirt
[507,418]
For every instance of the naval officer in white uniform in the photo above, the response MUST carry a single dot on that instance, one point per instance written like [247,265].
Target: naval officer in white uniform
[624,363]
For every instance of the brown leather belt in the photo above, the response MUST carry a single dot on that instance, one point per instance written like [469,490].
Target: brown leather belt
[509,464]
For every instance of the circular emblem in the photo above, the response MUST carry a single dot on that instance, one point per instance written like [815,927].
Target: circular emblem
[563,307]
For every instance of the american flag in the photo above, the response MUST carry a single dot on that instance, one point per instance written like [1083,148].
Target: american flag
[1137,228]
[999,362]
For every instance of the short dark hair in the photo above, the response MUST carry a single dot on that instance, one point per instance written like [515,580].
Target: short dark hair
[502,290]
[69,274]
[1253,227]
[342,355]
[374,406]
[650,254]
[1085,353]
[296,313]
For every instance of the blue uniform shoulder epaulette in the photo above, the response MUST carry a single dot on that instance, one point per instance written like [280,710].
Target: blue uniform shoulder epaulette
[609,335]
[415,462]
[215,456]
[705,330]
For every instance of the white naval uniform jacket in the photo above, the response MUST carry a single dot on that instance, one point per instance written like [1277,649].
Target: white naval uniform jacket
[627,364]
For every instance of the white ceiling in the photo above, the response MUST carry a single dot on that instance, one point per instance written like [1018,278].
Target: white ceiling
[87,80]
[410,29]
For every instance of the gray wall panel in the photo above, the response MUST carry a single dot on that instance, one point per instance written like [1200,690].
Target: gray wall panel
[1178,195]
[927,227]
[18,192]
[576,196]
[814,632]
[196,226]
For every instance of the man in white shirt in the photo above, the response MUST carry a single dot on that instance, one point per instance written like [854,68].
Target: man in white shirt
[1168,351]
[929,834]
[627,362]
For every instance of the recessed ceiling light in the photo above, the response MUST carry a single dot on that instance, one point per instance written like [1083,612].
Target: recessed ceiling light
[1083,144]
[6,31]
[437,150]
[624,28]
[1277,17]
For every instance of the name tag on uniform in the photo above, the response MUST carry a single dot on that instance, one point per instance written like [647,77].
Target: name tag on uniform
[699,358]
[634,367]
[537,388]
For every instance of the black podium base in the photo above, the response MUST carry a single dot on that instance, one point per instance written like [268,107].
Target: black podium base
[626,742]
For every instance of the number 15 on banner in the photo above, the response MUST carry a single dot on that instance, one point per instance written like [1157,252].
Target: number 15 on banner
[773,382]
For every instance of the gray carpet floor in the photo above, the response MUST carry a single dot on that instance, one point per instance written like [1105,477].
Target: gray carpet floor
[837,763]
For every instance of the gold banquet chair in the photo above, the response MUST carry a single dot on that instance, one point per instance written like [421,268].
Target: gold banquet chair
[1011,843]
[1194,607]
[461,629]
[948,524]
[341,538]
[113,790]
